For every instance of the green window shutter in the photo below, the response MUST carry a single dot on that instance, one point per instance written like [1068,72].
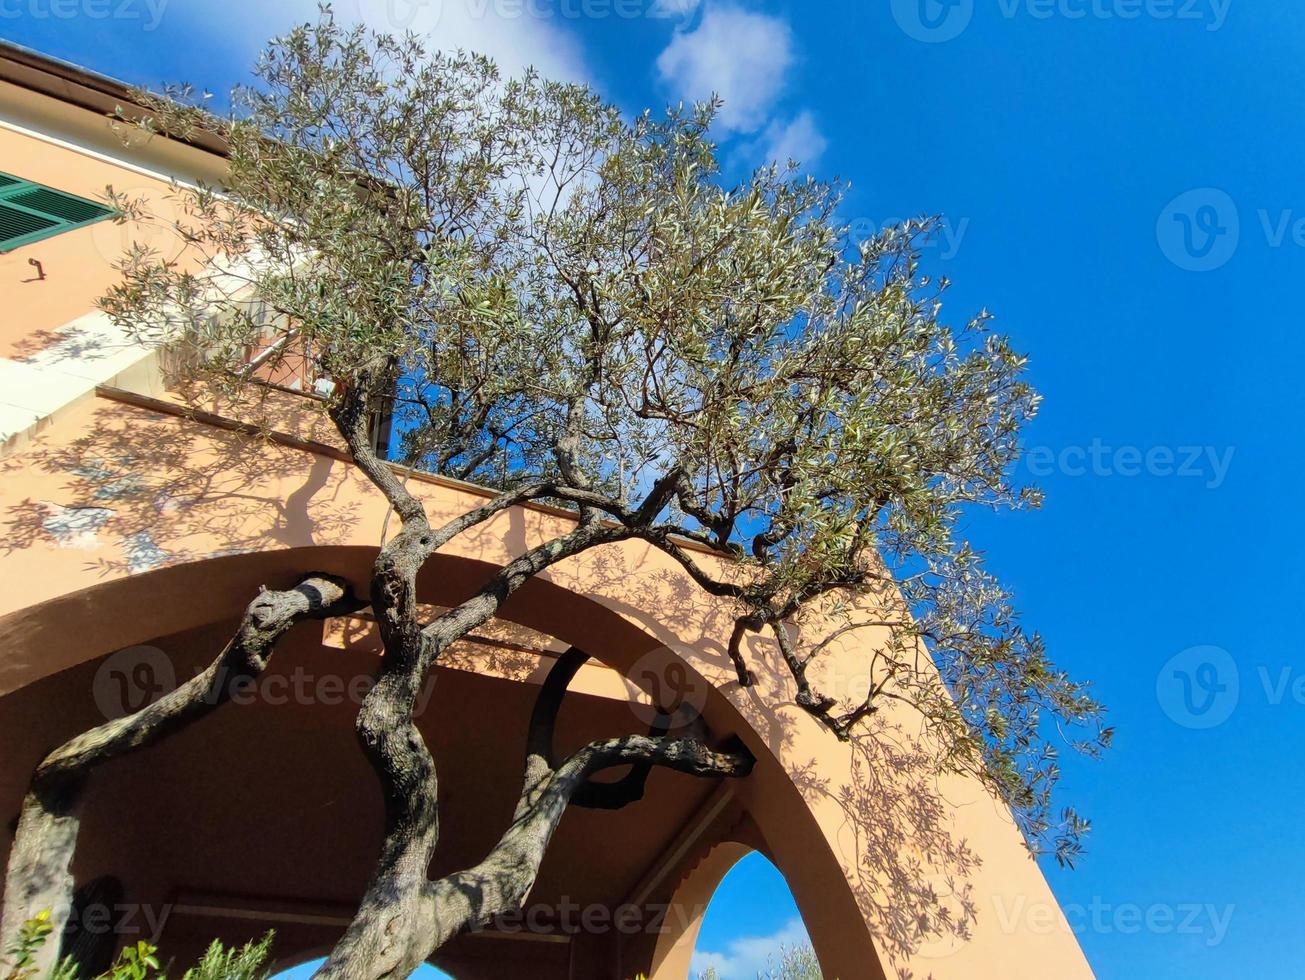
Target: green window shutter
[30,212]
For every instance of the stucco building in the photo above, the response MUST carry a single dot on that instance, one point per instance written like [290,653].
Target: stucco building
[137,524]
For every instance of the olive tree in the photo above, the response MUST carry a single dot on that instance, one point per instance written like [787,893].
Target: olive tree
[790,963]
[568,305]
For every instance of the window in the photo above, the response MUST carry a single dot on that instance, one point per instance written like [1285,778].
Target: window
[30,212]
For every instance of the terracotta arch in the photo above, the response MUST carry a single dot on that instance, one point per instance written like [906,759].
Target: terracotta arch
[857,832]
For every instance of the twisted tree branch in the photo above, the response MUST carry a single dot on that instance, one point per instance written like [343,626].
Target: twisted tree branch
[38,876]
[398,925]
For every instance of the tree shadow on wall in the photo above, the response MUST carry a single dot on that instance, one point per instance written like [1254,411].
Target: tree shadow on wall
[912,881]
[142,490]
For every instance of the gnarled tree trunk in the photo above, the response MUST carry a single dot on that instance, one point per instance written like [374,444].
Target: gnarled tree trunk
[404,917]
[39,874]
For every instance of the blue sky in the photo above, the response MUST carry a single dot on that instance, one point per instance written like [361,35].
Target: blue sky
[1122,186]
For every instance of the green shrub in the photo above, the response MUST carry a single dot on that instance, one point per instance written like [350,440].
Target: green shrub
[138,962]
[793,963]
[220,963]
[21,955]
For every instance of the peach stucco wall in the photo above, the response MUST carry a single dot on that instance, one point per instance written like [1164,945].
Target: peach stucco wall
[55,346]
[78,264]
[107,509]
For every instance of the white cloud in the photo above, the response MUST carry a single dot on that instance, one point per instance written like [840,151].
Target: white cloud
[747,956]
[799,139]
[507,32]
[738,55]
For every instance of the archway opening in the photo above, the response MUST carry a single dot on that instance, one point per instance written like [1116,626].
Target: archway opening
[295,744]
[752,928]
